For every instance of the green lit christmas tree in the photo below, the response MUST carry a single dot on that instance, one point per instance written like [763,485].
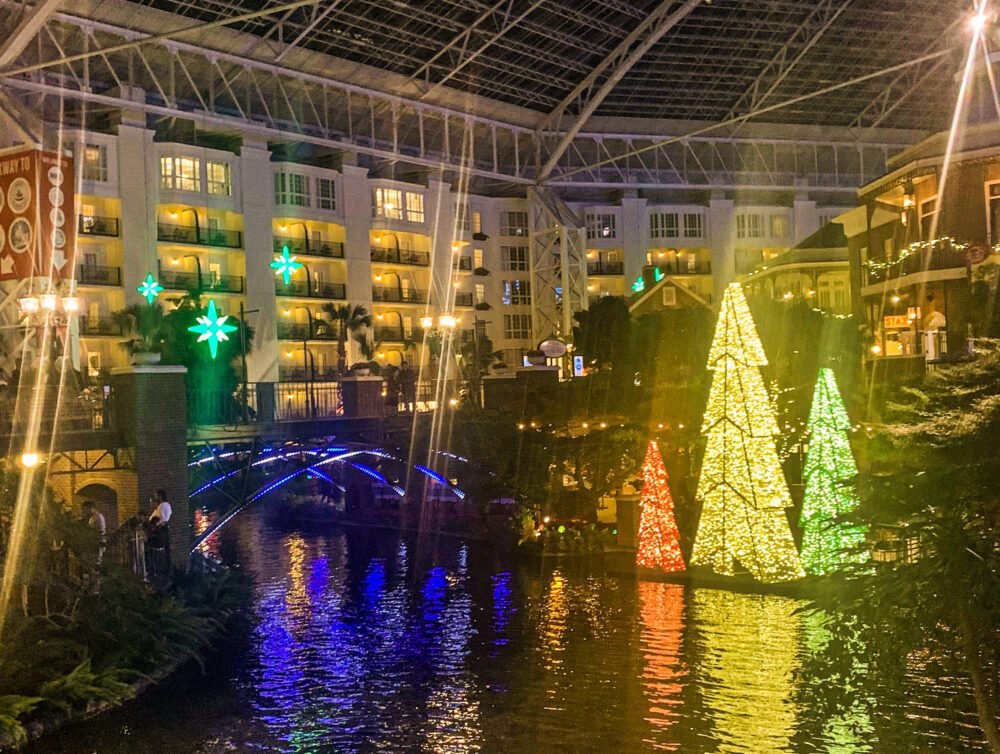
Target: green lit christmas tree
[827,541]
[742,487]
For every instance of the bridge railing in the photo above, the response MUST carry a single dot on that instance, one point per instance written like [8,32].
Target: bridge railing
[268,402]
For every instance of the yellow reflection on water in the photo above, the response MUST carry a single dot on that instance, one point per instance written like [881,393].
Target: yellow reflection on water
[749,652]
[662,616]
[555,610]
[296,598]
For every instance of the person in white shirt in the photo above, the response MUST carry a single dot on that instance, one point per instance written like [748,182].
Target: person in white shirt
[162,511]
[94,518]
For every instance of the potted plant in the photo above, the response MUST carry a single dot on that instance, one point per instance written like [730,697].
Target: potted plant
[144,330]
[482,306]
[536,358]
[481,271]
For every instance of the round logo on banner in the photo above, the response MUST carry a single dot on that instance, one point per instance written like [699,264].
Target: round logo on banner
[19,235]
[2,199]
[553,348]
[19,195]
[57,216]
[58,238]
[55,175]
[3,239]
[55,196]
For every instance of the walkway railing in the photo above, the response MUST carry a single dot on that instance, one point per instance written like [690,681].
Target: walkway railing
[309,247]
[268,402]
[195,234]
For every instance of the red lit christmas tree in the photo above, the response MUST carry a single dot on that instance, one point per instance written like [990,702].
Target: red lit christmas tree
[659,541]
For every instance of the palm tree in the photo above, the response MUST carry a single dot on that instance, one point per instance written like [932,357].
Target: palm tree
[348,319]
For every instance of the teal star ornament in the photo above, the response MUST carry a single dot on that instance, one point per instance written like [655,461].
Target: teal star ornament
[149,288]
[212,328]
[286,265]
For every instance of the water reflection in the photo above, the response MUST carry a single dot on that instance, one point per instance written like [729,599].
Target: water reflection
[368,642]
[662,614]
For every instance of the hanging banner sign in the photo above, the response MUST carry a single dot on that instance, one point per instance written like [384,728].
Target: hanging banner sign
[37,217]
[896,322]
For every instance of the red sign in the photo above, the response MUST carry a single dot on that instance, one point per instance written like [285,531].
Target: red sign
[37,217]
[896,322]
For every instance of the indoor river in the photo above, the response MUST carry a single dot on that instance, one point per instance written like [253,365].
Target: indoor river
[366,641]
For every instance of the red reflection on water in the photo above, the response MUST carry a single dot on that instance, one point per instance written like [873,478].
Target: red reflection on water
[664,674]
[203,520]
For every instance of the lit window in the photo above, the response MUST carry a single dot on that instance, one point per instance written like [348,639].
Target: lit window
[291,189]
[480,293]
[477,222]
[516,292]
[387,203]
[513,223]
[514,258]
[414,207]
[663,225]
[326,194]
[218,178]
[95,163]
[600,225]
[517,326]
[693,226]
[477,259]
[180,173]
[749,225]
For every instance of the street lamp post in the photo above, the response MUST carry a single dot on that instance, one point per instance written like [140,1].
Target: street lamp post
[197,263]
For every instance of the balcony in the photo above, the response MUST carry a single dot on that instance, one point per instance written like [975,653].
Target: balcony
[194,234]
[462,264]
[391,334]
[301,374]
[309,248]
[90,225]
[319,330]
[604,267]
[310,289]
[92,327]
[390,295]
[92,274]
[173,280]
[683,267]
[400,256]
[941,255]
[464,300]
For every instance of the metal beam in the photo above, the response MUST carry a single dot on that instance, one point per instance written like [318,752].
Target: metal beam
[305,32]
[30,25]
[777,69]
[623,67]
[485,46]
[463,38]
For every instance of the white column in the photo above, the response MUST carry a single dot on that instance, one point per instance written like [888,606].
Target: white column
[138,181]
[635,237]
[805,218]
[356,201]
[721,238]
[257,190]
[440,213]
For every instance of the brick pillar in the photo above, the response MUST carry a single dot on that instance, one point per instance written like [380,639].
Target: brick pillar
[362,396]
[150,413]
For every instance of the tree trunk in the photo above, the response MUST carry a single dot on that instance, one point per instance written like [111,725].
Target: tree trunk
[986,703]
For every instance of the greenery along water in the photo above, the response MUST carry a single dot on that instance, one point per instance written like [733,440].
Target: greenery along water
[366,642]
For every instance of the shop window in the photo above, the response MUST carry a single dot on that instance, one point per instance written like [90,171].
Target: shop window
[664,225]
[387,203]
[217,178]
[95,163]
[517,326]
[180,173]
[513,223]
[515,258]
[291,189]
[326,194]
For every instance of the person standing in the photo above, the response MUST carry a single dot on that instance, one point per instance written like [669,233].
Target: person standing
[408,386]
[391,390]
[158,534]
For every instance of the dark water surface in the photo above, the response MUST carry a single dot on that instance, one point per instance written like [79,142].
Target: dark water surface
[369,642]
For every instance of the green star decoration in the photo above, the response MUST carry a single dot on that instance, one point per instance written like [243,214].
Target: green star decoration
[213,328]
[286,265]
[149,288]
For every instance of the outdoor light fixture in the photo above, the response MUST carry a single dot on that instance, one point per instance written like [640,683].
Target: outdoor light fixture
[29,460]
[453,401]
[876,349]
[48,301]
[71,304]
[426,322]
[28,304]
[447,321]
[894,298]
[978,22]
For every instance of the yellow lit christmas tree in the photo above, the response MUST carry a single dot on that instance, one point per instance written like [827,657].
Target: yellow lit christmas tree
[742,488]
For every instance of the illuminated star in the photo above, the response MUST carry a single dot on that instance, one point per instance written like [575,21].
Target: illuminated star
[213,328]
[285,265]
[149,288]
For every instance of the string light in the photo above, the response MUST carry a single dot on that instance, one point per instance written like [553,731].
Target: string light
[827,543]
[742,488]
[659,540]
